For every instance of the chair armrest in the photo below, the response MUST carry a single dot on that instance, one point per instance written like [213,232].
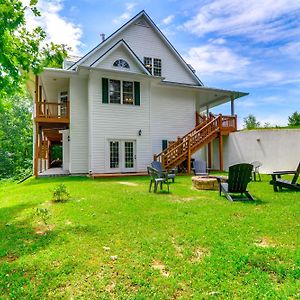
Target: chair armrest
[283,173]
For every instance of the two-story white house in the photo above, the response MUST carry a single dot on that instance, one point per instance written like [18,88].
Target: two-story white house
[116,107]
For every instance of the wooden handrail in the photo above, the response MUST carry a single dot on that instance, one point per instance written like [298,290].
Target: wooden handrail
[202,134]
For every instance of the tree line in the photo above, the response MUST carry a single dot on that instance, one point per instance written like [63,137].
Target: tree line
[250,122]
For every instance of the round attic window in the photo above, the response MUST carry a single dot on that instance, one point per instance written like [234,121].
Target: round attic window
[121,63]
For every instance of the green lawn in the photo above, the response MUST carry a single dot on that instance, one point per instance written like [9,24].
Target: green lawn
[113,239]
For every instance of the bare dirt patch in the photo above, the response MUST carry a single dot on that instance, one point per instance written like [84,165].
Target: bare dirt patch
[199,254]
[264,242]
[43,229]
[158,265]
[128,183]
[184,199]
[10,257]
[178,248]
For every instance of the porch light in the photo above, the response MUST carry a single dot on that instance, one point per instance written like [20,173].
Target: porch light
[140,132]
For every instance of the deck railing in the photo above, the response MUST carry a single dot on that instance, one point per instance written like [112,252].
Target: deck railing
[52,110]
[202,134]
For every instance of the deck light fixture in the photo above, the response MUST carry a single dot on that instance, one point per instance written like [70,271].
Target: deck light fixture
[140,132]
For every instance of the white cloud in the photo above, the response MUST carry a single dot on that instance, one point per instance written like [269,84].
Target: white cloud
[291,49]
[58,29]
[212,59]
[260,20]
[129,6]
[168,19]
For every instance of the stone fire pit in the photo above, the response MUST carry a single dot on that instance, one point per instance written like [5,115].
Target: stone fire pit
[205,183]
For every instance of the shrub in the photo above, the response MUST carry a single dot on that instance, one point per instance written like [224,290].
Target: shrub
[43,213]
[60,193]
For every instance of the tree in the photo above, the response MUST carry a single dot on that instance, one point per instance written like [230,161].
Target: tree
[16,135]
[294,119]
[250,122]
[22,51]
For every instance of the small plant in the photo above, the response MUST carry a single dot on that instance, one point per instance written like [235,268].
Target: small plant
[44,214]
[60,193]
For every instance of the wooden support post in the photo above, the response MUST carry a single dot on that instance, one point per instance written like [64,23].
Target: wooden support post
[189,157]
[36,145]
[232,105]
[235,122]
[221,152]
[36,150]
[209,156]
[154,157]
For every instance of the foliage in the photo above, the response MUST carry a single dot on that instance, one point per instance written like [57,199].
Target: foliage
[23,51]
[56,152]
[43,213]
[60,193]
[16,136]
[187,244]
[250,122]
[294,119]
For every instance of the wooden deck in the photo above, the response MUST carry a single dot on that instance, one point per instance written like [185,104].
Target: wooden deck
[116,175]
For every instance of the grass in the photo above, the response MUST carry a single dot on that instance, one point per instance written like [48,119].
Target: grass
[113,239]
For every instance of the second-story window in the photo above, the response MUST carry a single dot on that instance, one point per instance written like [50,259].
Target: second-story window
[121,92]
[153,65]
[114,91]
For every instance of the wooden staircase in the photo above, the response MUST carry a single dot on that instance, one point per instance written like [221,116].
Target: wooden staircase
[205,132]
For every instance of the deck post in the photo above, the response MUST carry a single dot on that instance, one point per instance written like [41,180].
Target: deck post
[189,157]
[36,150]
[232,105]
[209,155]
[36,146]
[221,152]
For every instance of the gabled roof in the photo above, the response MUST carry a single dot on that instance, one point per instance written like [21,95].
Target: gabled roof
[132,54]
[122,28]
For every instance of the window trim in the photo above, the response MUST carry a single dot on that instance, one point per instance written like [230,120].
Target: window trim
[121,92]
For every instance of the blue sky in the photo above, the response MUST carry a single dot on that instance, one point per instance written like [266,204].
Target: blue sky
[246,45]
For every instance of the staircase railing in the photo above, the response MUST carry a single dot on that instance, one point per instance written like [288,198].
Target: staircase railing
[201,135]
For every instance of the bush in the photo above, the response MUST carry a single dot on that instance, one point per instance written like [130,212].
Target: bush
[60,193]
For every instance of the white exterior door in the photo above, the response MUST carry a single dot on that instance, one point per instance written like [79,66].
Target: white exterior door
[122,156]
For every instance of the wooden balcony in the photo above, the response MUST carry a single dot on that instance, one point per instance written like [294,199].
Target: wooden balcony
[52,112]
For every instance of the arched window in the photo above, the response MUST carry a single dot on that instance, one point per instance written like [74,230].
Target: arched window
[121,63]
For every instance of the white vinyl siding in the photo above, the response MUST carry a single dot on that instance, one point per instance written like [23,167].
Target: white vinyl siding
[78,126]
[151,46]
[172,115]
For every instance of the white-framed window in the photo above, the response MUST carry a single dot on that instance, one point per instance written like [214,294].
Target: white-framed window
[153,65]
[121,63]
[121,91]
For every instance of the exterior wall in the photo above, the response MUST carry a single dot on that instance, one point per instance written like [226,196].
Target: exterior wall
[78,126]
[144,41]
[172,114]
[110,121]
[107,63]
[276,149]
